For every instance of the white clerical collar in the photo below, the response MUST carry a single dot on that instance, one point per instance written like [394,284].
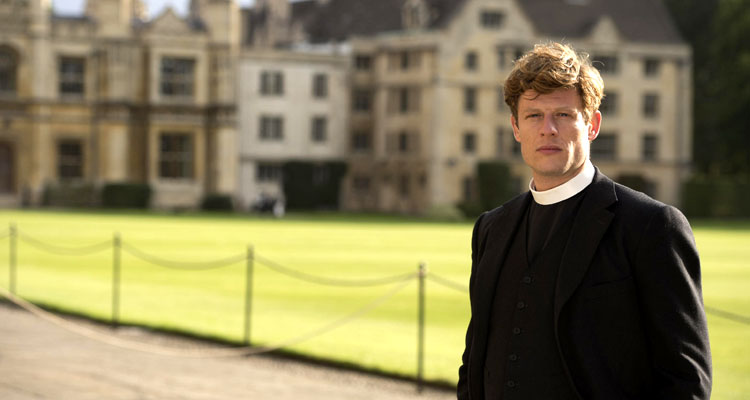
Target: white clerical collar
[567,189]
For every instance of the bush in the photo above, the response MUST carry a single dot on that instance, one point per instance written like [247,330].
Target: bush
[495,184]
[716,197]
[126,195]
[217,202]
[64,194]
[311,186]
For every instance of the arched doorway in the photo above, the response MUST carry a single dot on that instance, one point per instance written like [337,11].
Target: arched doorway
[7,170]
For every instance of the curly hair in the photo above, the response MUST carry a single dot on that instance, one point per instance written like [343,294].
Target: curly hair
[553,66]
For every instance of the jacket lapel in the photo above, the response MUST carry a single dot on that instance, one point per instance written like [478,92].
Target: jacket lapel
[589,227]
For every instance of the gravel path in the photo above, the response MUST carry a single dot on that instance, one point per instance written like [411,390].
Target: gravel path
[39,360]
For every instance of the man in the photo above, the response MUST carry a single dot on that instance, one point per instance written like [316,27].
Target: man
[581,288]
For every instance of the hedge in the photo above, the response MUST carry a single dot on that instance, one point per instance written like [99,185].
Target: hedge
[716,197]
[126,195]
[313,185]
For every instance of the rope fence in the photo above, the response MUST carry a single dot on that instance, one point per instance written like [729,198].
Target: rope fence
[400,282]
[118,246]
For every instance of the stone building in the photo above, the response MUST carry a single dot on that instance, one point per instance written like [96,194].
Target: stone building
[109,96]
[425,81]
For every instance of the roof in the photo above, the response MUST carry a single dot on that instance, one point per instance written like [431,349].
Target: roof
[637,20]
[339,20]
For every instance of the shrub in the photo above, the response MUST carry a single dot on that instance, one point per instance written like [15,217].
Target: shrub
[126,195]
[716,197]
[310,186]
[217,202]
[69,194]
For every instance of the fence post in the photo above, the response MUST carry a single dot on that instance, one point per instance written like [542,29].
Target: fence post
[116,250]
[12,255]
[248,292]
[420,326]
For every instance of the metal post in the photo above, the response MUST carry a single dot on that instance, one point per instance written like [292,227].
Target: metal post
[12,267]
[116,250]
[248,292]
[420,327]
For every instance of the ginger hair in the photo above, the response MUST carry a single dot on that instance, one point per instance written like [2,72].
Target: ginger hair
[552,66]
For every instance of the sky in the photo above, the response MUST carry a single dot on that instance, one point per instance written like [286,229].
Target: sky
[155,7]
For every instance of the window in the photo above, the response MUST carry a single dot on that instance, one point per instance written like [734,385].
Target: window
[604,147]
[403,60]
[271,83]
[651,67]
[268,173]
[403,142]
[362,100]
[500,98]
[471,61]
[71,76]
[320,86]
[470,142]
[70,159]
[606,64]
[470,100]
[403,185]
[361,183]
[500,135]
[177,77]
[403,100]
[362,62]
[491,19]
[319,130]
[8,66]
[650,149]
[468,188]
[609,104]
[650,105]
[271,128]
[361,141]
[176,156]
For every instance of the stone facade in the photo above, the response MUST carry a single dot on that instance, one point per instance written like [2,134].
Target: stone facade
[426,91]
[111,97]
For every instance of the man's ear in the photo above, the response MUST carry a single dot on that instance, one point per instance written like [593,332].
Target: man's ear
[594,125]
[514,124]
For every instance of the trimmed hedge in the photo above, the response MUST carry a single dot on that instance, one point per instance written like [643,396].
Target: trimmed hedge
[126,195]
[217,202]
[495,186]
[716,197]
[73,195]
[311,186]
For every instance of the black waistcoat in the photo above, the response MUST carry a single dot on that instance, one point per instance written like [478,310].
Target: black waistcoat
[522,359]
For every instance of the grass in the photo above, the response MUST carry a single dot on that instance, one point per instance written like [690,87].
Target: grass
[211,303]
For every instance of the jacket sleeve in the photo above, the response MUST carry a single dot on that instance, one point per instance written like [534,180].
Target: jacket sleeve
[667,272]
[463,386]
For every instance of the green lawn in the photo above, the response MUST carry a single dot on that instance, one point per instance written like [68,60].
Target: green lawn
[211,302]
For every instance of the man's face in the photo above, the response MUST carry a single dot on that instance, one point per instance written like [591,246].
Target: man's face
[553,134]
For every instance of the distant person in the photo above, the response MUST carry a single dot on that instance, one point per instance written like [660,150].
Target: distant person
[581,288]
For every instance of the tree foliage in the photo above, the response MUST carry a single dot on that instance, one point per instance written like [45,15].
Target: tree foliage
[718,31]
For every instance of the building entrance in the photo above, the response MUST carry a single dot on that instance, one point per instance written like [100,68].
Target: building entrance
[7,172]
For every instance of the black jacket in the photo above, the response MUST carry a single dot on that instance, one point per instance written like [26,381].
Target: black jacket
[629,317]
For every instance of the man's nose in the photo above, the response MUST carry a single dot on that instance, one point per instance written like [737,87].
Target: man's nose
[549,126]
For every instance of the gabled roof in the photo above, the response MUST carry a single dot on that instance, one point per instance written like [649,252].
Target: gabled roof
[339,20]
[636,20]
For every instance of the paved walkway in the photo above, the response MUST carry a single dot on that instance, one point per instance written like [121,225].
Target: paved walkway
[39,360]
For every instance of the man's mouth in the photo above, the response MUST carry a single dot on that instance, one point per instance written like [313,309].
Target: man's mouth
[549,149]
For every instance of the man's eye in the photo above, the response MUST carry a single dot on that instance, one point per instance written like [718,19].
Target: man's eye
[563,114]
[533,115]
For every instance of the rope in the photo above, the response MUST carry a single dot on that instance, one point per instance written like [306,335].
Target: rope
[109,339]
[65,251]
[447,283]
[189,265]
[728,315]
[320,280]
